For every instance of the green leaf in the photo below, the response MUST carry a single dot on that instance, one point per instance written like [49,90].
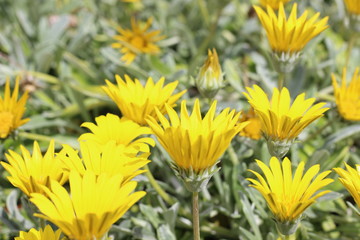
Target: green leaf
[342,134]
[164,233]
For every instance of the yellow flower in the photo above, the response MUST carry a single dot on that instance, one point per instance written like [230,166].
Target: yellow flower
[350,178]
[12,110]
[121,130]
[286,195]
[31,172]
[253,129]
[353,6]
[137,40]
[210,78]
[348,97]
[110,158]
[92,206]
[46,234]
[136,102]
[274,4]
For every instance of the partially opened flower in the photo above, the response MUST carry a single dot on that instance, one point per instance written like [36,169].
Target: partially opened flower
[137,40]
[194,143]
[121,130]
[288,36]
[43,234]
[288,195]
[348,96]
[110,158]
[12,109]
[94,203]
[31,172]
[253,129]
[350,178]
[274,4]
[136,101]
[282,121]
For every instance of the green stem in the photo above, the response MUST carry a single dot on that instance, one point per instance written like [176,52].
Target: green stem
[232,155]
[196,222]
[281,80]
[34,136]
[349,48]
[204,11]
[157,187]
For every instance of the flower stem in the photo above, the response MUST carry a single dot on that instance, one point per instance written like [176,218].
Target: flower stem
[196,222]
[349,48]
[157,187]
[281,80]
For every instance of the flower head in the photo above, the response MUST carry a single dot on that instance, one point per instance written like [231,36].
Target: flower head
[353,6]
[92,206]
[121,130]
[31,172]
[350,178]
[348,96]
[274,4]
[136,102]
[195,144]
[253,129]
[288,195]
[137,40]
[210,78]
[46,234]
[12,110]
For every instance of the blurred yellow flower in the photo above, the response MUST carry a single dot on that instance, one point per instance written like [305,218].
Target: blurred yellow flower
[286,195]
[130,0]
[136,102]
[353,6]
[110,158]
[46,234]
[92,206]
[210,78]
[350,178]
[31,172]
[121,130]
[348,97]
[12,110]
[274,4]
[253,129]
[137,40]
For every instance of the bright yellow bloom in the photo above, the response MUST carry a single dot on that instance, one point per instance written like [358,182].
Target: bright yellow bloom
[137,40]
[290,35]
[110,158]
[12,110]
[46,234]
[286,195]
[121,130]
[31,172]
[280,119]
[253,129]
[136,102]
[353,6]
[274,4]
[194,142]
[130,0]
[350,178]
[92,206]
[348,97]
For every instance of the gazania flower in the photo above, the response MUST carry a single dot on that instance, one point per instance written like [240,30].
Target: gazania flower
[110,158]
[288,36]
[350,178]
[282,121]
[121,130]
[195,144]
[137,40]
[12,110]
[253,129]
[348,97]
[31,172]
[274,4]
[46,234]
[353,6]
[92,206]
[288,195]
[136,102]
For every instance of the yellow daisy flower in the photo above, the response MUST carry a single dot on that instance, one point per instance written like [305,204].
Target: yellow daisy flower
[286,195]
[31,172]
[110,158]
[137,40]
[274,4]
[348,97]
[195,144]
[288,36]
[136,102]
[350,178]
[353,6]
[92,206]
[121,130]
[253,129]
[46,234]
[12,110]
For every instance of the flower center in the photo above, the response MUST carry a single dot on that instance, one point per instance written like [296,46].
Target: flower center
[138,42]
[6,123]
